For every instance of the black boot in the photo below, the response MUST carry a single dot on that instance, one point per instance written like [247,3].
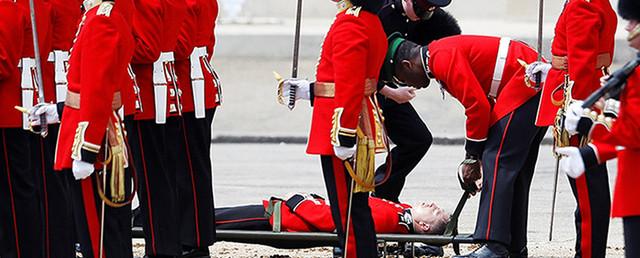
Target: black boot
[488,250]
[420,250]
[522,253]
[338,252]
[195,252]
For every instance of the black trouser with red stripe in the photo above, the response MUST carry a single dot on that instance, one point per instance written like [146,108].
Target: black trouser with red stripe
[412,139]
[247,217]
[55,196]
[113,230]
[631,236]
[190,157]
[361,240]
[508,163]
[21,226]
[156,186]
[592,214]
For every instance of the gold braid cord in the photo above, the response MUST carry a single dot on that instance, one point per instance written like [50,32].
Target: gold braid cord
[364,174]
[115,163]
[560,135]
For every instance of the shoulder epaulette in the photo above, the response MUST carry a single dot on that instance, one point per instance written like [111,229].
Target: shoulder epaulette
[105,9]
[355,11]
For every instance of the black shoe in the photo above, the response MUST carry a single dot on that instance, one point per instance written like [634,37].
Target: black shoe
[420,250]
[158,256]
[338,252]
[136,217]
[489,250]
[195,252]
[523,253]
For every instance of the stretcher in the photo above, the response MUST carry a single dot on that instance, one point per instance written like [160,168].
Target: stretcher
[296,240]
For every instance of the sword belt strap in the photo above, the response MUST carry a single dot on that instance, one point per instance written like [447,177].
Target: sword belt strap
[328,89]
[562,62]
[274,210]
[501,58]
[73,100]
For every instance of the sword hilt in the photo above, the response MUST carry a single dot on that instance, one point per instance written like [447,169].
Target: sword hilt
[292,97]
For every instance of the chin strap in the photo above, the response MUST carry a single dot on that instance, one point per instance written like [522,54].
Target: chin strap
[634,33]
[424,59]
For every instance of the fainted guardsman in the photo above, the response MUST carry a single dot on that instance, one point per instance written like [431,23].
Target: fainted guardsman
[582,49]
[346,119]
[92,151]
[201,95]
[620,137]
[502,140]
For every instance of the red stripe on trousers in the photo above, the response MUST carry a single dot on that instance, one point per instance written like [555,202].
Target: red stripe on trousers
[584,205]
[91,214]
[46,200]
[221,222]
[193,183]
[13,202]
[343,204]
[495,173]
[146,181]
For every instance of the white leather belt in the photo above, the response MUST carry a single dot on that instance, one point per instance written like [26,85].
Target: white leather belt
[501,58]
[60,59]
[161,78]
[198,56]
[27,84]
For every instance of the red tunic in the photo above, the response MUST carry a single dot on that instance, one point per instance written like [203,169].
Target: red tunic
[147,30]
[584,31]
[97,65]
[14,30]
[205,37]
[64,24]
[352,54]
[464,65]
[182,54]
[625,133]
[315,216]
[197,32]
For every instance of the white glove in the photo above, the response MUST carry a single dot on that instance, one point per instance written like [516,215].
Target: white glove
[571,162]
[81,169]
[572,117]
[302,88]
[536,67]
[49,110]
[344,152]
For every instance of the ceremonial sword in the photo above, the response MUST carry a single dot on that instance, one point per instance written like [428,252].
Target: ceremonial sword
[296,54]
[36,49]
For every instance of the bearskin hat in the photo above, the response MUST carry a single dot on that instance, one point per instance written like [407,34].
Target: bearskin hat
[629,9]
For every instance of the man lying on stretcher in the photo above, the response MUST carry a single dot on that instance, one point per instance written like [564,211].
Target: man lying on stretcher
[311,213]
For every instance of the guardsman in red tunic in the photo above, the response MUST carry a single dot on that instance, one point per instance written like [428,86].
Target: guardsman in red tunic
[346,77]
[623,141]
[58,216]
[91,133]
[583,48]
[156,25]
[311,213]
[199,99]
[483,73]
[19,212]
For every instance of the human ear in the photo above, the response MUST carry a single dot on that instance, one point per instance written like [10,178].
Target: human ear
[407,65]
